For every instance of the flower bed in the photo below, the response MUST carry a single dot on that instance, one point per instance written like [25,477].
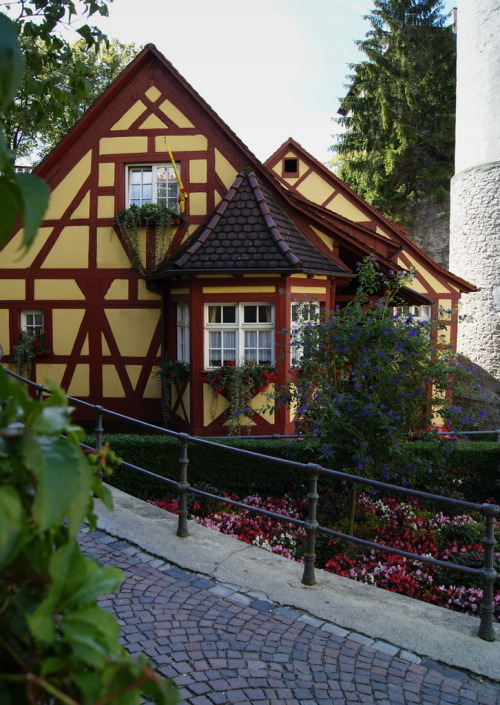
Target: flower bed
[406,526]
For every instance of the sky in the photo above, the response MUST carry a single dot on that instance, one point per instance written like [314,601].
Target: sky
[271,69]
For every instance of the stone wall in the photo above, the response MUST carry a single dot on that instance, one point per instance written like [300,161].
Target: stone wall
[475,256]
[430,228]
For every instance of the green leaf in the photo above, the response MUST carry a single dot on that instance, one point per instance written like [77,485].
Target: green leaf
[11,62]
[92,635]
[13,524]
[10,207]
[79,580]
[63,478]
[35,198]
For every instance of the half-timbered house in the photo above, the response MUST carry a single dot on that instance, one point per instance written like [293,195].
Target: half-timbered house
[219,286]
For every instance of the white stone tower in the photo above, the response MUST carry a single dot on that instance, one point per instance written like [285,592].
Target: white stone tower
[475,188]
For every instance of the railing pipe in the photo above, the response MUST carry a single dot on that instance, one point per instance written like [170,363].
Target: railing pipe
[488,574]
[39,392]
[183,485]
[99,430]
[308,577]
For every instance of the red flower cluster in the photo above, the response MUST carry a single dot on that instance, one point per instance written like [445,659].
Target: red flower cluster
[405,526]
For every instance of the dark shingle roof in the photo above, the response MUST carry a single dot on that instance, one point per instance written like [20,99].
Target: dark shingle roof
[249,231]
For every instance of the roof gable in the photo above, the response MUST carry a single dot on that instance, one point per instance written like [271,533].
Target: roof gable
[250,231]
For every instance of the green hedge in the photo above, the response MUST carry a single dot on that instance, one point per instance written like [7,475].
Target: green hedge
[471,469]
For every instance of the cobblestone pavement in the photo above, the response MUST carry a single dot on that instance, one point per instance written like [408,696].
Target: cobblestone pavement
[223,647]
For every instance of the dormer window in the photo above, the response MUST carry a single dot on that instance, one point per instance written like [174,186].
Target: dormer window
[290,166]
[152,183]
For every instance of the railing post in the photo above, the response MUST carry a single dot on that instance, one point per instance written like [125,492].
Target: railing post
[183,485]
[311,525]
[488,573]
[498,435]
[99,430]
[39,393]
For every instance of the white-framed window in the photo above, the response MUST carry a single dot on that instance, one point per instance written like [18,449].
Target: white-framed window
[32,322]
[241,332]
[183,352]
[304,314]
[152,183]
[419,313]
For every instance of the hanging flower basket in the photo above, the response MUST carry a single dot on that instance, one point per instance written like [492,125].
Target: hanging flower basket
[29,347]
[158,223]
[170,372]
[239,385]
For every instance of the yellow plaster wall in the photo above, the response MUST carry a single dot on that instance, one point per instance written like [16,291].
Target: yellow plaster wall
[79,385]
[111,385]
[118,291]
[152,122]
[144,294]
[106,174]
[49,372]
[71,249]
[153,94]
[224,170]
[11,257]
[105,348]
[63,194]
[186,401]
[105,206]
[198,171]
[83,208]
[198,204]
[133,372]
[66,324]
[110,251]
[315,188]
[446,303]
[181,143]
[152,390]
[379,231]
[211,408]
[175,115]
[312,290]
[133,329]
[433,283]
[239,289]
[325,238]
[4,331]
[129,117]
[341,205]
[123,145]
[58,290]
[12,290]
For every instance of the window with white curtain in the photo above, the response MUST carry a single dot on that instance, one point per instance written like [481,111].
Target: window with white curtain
[183,352]
[303,315]
[240,333]
[32,322]
[152,183]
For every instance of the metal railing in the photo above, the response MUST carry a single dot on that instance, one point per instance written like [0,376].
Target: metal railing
[311,526]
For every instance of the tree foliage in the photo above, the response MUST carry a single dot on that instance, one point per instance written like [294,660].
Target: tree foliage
[46,109]
[371,378]
[399,110]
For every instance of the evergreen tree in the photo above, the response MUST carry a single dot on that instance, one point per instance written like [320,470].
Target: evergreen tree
[399,110]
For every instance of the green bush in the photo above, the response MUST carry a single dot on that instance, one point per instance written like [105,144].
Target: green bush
[470,469]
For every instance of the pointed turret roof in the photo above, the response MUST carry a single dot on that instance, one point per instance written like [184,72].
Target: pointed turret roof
[249,231]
